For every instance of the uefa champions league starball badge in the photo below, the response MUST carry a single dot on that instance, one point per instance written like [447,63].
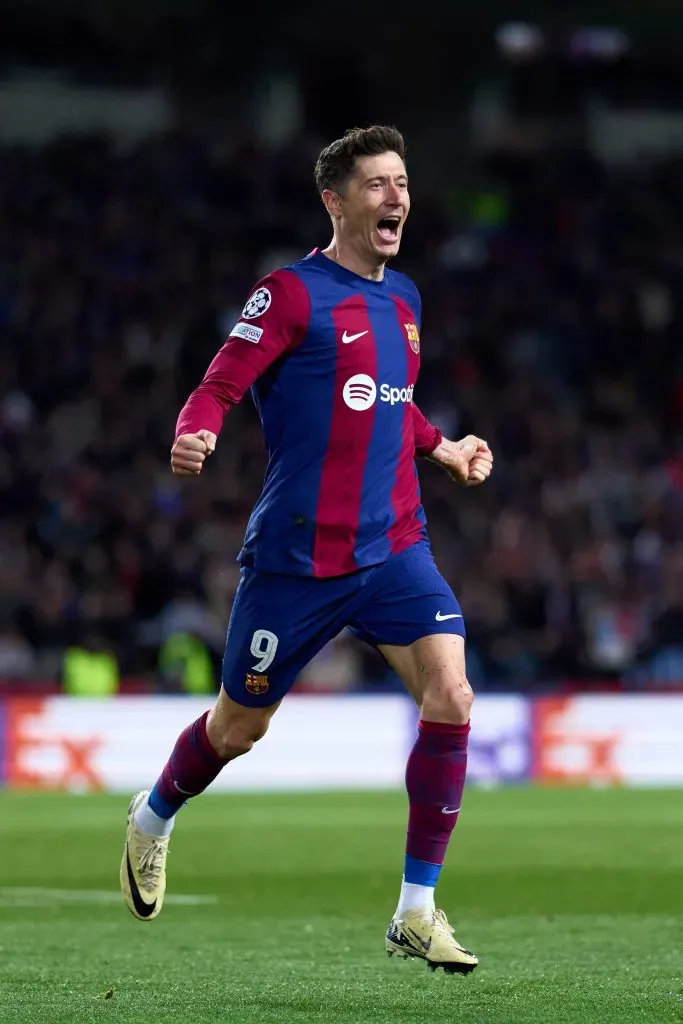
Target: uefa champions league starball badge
[257,304]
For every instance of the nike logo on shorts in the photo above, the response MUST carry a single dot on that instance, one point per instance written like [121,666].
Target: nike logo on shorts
[348,338]
[450,810]
[442,618]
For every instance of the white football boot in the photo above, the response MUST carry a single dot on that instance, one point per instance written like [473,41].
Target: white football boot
[428,936]
[143,867]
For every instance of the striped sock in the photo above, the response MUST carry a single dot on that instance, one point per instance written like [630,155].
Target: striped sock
[192,766]
[435,779]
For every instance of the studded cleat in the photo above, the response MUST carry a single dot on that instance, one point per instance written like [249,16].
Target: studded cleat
[143,867]
[428,936]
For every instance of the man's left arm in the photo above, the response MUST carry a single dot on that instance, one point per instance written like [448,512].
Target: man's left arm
[468,461]
[427,436]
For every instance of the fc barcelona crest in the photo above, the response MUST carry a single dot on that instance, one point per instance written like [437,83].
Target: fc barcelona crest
[256,684]
[413,337]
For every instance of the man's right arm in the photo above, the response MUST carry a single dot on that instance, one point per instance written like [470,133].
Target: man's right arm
[274,320]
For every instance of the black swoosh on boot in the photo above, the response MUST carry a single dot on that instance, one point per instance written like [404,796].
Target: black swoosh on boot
[142,908]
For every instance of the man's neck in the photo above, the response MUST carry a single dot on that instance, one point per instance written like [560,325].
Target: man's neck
[346,257]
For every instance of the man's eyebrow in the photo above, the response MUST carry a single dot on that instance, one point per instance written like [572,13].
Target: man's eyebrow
[383,177]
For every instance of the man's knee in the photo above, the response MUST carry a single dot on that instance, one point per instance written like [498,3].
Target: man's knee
[448,699]
[235,735]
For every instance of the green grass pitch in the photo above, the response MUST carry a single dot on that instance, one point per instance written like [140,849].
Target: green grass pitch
[572,899]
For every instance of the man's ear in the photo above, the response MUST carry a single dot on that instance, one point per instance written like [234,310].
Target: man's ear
[332,201]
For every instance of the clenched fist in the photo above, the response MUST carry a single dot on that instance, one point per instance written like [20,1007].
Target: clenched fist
[469,461]
[190,450]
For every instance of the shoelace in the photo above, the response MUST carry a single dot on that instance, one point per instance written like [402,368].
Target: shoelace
[151,863]
[441,924]
[441,921]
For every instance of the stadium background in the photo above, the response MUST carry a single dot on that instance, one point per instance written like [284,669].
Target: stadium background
[155,160]
[151,171]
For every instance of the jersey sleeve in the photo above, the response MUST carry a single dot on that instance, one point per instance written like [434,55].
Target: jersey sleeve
[416,303]
[427,436]
[273,322]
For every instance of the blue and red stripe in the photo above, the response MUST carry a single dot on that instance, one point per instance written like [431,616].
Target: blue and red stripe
[405,495]
[384,451]
[340,496]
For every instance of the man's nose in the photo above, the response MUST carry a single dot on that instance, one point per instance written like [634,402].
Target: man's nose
[393,194]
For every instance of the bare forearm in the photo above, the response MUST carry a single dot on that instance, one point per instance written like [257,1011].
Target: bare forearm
[444,452]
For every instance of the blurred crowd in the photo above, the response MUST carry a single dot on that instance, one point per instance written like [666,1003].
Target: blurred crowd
[552,317]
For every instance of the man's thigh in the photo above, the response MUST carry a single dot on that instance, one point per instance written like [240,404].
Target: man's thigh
[413,618]
[407,599]
[277,624]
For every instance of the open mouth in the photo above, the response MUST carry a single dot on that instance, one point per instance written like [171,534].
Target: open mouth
[388,228]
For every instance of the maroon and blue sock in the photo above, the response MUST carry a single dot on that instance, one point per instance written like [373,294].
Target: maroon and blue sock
[192,766]
[435,779]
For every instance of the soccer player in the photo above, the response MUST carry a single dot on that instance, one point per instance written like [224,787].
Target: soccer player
[330,347]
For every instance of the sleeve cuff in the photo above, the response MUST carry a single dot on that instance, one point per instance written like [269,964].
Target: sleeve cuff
[427,449]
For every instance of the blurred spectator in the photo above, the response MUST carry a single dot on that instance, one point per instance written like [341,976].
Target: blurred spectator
[185,665]
[90,669]
[17,660]
[337,667]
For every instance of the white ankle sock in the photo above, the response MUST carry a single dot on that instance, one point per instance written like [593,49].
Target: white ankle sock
[415,897]
[150,823]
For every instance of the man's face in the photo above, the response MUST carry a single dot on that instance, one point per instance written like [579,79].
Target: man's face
[374,206]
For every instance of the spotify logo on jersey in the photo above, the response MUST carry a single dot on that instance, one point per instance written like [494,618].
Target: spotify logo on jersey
[360,392]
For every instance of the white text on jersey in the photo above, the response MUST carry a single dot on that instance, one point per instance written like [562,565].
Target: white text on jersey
[394,395]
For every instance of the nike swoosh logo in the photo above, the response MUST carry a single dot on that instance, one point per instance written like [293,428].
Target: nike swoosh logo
[442,618]
[450,810]
[142,908]
[425,945]
[185,792]
[348,338]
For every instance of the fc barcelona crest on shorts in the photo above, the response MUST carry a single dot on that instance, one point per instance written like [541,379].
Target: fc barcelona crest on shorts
[413,337]
[256,684]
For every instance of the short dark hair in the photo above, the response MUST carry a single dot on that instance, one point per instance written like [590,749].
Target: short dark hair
[337,162]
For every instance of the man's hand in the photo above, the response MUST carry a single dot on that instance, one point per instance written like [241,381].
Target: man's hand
[469,461]
[190,450]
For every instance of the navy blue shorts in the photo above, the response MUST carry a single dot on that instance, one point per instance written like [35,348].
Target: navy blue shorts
[278,623]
